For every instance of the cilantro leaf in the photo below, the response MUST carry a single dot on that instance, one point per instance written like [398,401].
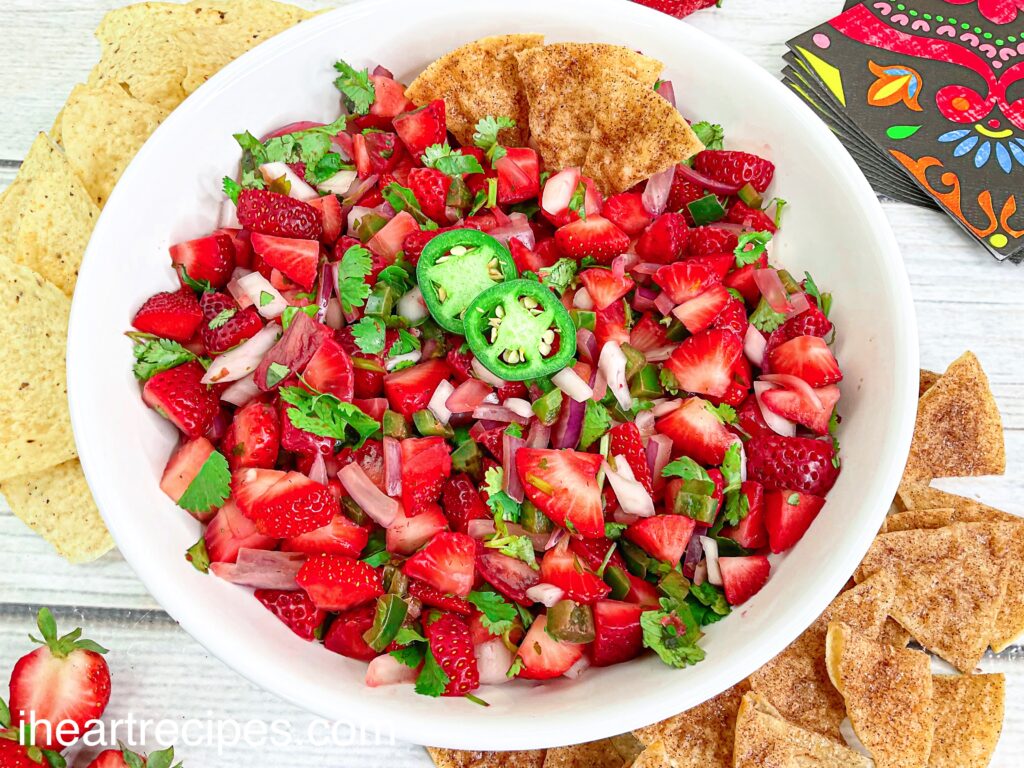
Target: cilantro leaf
[766,319]
[198,556]
[450,162]
[751,246]
[353,268]
[686,468]
[516,430]
[355,86]
[203,286]
[578,201]
[516,668]
[158,355]
[519,547]
[672,633]
[824,299]
[222,318]
[737,507]
[231,188]
[402,199]
[596,421]
[210,488]
[398,276]
[497,615]
[614,530]
[486,136]
[668,381]
[368,334]
[404,344]
[410,655]
[725,413]
[709,595]
[503,506]
[324,414]
[711,135]
[731,466]
[559,276]
[432,679]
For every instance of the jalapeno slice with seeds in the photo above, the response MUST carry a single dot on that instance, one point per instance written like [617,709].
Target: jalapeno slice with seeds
[519,330]
[455,267]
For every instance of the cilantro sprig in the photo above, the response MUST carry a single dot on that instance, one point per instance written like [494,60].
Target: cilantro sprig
[486,136]
[496,614]
[672,633]
[751,246]
[323,414]
[355,87]
[559,276]
[369,335]
[451,162]
[596,421]
[766,319]
[210,488]
[711,135]
[737,506]
[353,269]
[158,355]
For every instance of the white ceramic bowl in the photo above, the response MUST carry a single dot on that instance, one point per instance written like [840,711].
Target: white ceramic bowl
[834,227]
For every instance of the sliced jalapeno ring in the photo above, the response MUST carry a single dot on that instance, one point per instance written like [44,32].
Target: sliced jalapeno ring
[519,330]
[455,267]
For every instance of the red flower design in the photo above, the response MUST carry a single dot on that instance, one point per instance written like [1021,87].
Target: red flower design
[996,11]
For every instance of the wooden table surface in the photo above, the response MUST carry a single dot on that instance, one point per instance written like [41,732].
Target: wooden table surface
[964,300]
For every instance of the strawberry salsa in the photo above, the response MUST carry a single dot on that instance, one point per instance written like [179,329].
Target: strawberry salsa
[469,419]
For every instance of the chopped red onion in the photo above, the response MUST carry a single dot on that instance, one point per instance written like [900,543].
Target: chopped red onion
[438,400]
[581,299]
[700,573]
[789,381]
[254,285]
[318,469]
[485,375]
[339,184]
[325,292]
[643,299]
[633,497]
[359,188]
[694,551]
[392,467]
[387,670]
[660,354]
[539,435]
[667,92]
[665,407]
[659,452]
[239,362]
[493,658]
[555,538]
[262,569]
[612,363]
[545,594]
[512,485]
[520,406]
[342,144]
[241,392]
[468,395]
[334,318]
[411,306]
[754,346]
[646,268]
[655,196]
[600,385]
[518,227]
[645,424]
[413,357]
[800,304]
[774,292]
[706,182]
[558,191]
[664,304]
[711,557]
[622,518]
[622,263]
[380,71]
[499,413]
[569,425]
[586,345]
[368,496]
[578,667]
[298,188]
[778,424]
[572,385]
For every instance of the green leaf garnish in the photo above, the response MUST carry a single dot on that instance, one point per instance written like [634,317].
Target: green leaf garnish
[231,188]
[672,633]
[766,319]
[824,299]
[751,246]
[355,86]
[559,276]
[368,334]
[450,162]
[353,289]
[596,421]
[686,468]
[325,415]
[711,135]
[432,679]
[210,488]
[724,412]
[158,355]
[486,136]
[404,344]
[497,615]
[222,318]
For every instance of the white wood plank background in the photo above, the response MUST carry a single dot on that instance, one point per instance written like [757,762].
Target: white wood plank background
[963,298]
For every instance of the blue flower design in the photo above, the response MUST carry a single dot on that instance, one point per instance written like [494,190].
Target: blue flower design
[1004,151]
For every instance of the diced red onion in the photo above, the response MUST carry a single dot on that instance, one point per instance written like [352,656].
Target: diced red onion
[700,572]
[387,670]
[572,385]
[539,435]
[545,594]
[467,396]
[228,218]
[411,307]
[240,296]
[646,268]
[664,304]
[643,299]
[694,551]
[359,188]
[499,413]
[586,345]
[255,285]
[555,538]
[520,406]
[659,354]
[612,363]
[518,227]
[298,189]
[380,71]
[645,424]
[667,92]
[774,292]
[578,667]
[241,392]
[659,452]
[239,362]
[665,407]
[558,191]
[655,196]
[582,300]
[392,467]
[754,346]
[493,658]
[480,529]
[512,484]
[789,381]
[623,263]
[633,497]
[776,423]
[334,317]
[368,496]
[262,569]
[339,184]
[711,558]
[325,292]
[318,469]
[438,400]
[600,385]
[484,374]
[569,426]
[800,304]
[342,144]
[706,182]
[413,357]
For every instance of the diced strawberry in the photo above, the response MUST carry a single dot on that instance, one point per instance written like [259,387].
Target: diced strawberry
[384,152]
[742,280]
[330,370]
[563,485]
[416,241]
[252,437]
[271,213]
[180,396]
[605,287]
[733,317]
[709,240]
[718,263]
[803,464]
[339,537]
[210,259]
[542,656]
[370,458]
[704,363]
[698,313]
[230,531]
[452,648]
[226,325]
[388,97]
[422,127]
[696,432]
[596,237]
[685,280]
[391,238]
[297,259]
[811,322]
[426,464]
[491,439]
[345,635]
[736,168]
[642,593]
[331,219]
[678,8]
[743,577]
[788,515]
[184,465]
[525,259]
[795,405]
[610,324]
[407,534]
[664,537]
[430,187]
[648,334]
[626,211]
[682,193]
[565,570]
[427,595]
[336,583]
[299,441]
[593,552]
[750,533]
[592,200]
[172,315]
[626,442]
[750,419]
[445,563]
[295,609]
[750,218]
[294,505]
[293,350]
[664,241]
[518,175]
[511,577]
[248,485]
[808,357]
[618,636]
[410,389]
[462,502]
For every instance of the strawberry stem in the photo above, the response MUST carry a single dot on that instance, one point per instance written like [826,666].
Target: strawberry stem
[61,647]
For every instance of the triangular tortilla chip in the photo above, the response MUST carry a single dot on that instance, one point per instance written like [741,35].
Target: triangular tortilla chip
[888,694]
[1009,623]
[927,381]
[56,503]
[563,85]
[951,585]
[968,712]
[457,758]
[594,754]
[959,432]
[764,739]
[654,756]
[920,496]
[476,80]
[796,681]
[57,219]
[700,737]
[918,518]
[10,216]
[636,134]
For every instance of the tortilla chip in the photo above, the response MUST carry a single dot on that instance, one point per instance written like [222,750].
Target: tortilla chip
[952,583]
[888,695]
[918,518]
[594,754]
[654,756]
[893,634]
[563,85]
[147,65]
[56,503]
[959,432]
[1009,624]
[476,80]
[927,381]
[765,740]
[457,758]
[35,429]
[796,681]
[636,134]
[968,712]
[10,216]
[103,128]
[920,496]
[57,219]
[700,737]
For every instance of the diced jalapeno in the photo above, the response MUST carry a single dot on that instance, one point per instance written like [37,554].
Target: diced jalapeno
[647,384]
[635,361]
[387,620]
[750,196]
[548,407]
[676,331]
[706,210]
[369,224]
[468,458]
[533,520]
[618,580]
[353,511]
[394,425]
[571,622]
[428,425]
[674,586]
[636,559]
[701,508]
[381,301]
[583,318]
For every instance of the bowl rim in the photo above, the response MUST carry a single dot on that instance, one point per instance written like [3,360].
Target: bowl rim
[439,728]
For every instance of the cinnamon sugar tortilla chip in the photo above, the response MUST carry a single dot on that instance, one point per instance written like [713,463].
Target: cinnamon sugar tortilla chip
[888,695]
[593,754]
[476,80]
[764,739]
[796,681]
[920,496]
[636,134]
[968,712]
[918,518]
[959,432]
[654,756]
[700,737]
[457,758]
[563,83]
[927,380]
[1009,624]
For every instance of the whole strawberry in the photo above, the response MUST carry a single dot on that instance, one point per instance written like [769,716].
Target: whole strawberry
[125,758]
[271,213]
[452,648]
[65,682]
[679,8]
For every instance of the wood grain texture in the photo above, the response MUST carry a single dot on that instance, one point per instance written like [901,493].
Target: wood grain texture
[963,298]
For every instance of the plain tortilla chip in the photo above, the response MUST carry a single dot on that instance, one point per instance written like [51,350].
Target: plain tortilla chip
[57,218]
[637,133]
[563,83]
[764,739]
[927,381]
[102,129]
[968,712]
[35,429]
[959,432]
[796,681]
[700,737]
[888,694]
[457,758]
[56,503]
[594,754]
[476,80]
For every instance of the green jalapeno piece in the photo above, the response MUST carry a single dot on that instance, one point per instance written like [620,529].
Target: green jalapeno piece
[455,267]
[519,330]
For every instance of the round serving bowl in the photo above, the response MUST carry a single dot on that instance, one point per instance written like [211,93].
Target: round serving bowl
[834,228]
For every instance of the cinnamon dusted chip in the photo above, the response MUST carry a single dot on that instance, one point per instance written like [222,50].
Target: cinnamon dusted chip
[888,695]
[923,496]
[959,432]
[1009,623]
[918,518]
[796,681]
[701,737]
[654,756]
[563,83]
[968,712]
[593,754]
[636,134]
[928,379]
[457,758]
[476,80]
[764,739]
